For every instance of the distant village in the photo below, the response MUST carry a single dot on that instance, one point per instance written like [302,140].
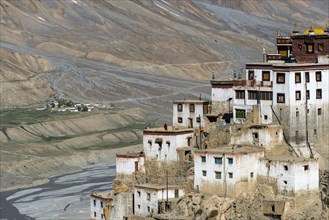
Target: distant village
[257,139]
[66,105]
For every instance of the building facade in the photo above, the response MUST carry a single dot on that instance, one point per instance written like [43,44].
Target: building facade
[292,175]
[150,197]
[161,144]
[226,171]
[127,164]
[99,205]
[190,113]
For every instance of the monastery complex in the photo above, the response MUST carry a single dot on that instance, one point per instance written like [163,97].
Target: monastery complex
[264,129]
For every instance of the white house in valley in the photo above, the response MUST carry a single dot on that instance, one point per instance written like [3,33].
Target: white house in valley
[190,113]
[98,203]
[152,198]
[127,164]
[162,143]
[226,171]
[292,175]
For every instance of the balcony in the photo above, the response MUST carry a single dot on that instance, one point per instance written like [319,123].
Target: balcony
[253,83]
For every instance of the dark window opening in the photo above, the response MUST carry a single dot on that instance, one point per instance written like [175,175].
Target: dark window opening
[266,75]
[198,119]
[255,136]
[94,202]
[315,132]
[266,95]
[319,94]
[218,160]
[310,48]
[176,193]
[180,107]
[230,175]
[298,96]
[319,111]
[280,98]
[251,174]
[308,94]
[218,175]
[230,160]
[239,94]
[192,108]
[298,78]
[203,159]
[318,76]
[148,196]
[253,95]
[251,75]
[280,78]
[180,120]
[306,167]
[320,47]
[285,167]
[285,182]
[204,173]
[240,113]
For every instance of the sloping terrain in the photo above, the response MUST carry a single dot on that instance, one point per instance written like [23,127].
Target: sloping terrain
[182,39]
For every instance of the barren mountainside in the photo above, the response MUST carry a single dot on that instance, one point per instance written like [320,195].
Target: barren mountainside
[183,39]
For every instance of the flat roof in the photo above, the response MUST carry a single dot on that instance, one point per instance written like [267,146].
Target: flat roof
[231,150]
[131,155]
[101,195]
[285,158]
[171,130]
[158,186]
[195,101]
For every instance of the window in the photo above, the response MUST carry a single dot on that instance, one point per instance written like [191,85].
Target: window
[230,160]
[204,173]
[298,78]
[148,209]
[253,95]
[251,174]
[280,78]
[218,175]
[255,136]
[139,193]
[310,48]
[95,214]
[285,167]
[240,113]
[102,216]
[168,143]
[320,47]
[198,119]
[285,182]
[318,76]
[306,167]
[319,111]
[266,95]
[265,117]
[280,98]
[203,159]
[315,132]
[307,76]
[148,196]
[102,205]
[297,95]
[180,120]
[180,107]
[297,113]
[230,175]
[191,107]
[251,75]
[239,94]
[218,160]
[308,94]
[139,206]
[176,193]
[319,94]
[266,75]
[94,202]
